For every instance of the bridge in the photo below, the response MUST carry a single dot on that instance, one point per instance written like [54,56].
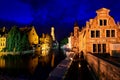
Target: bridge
[92,67]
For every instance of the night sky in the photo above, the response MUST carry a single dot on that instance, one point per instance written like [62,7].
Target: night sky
[61,14]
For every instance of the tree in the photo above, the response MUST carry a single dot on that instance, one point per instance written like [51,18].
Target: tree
[64,41]
[17,41]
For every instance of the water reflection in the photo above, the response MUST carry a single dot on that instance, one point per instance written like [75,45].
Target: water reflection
[19,64]
[27,65]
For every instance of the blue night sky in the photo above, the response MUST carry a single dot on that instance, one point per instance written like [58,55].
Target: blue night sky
[61,14]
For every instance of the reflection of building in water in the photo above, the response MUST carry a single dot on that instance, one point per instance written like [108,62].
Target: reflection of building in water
[2,62]
[33,62]
[44,60]
[19,63]
[52,60]
[98,34]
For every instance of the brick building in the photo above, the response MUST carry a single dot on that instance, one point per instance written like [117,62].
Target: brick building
[98,34]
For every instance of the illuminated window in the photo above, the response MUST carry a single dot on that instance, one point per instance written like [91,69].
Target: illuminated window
[92,34]
[100,22]
[97,33]
[112,33]
[107,33]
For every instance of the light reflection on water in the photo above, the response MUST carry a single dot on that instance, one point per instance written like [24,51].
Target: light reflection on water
[23,64]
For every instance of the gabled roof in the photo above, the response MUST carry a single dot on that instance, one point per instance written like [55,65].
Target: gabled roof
[103,10]
[25,29]
[3,31]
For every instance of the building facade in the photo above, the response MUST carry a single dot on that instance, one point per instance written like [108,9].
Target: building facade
[98,34]
[2,42]
[3,36]
[75,38]
[32,35]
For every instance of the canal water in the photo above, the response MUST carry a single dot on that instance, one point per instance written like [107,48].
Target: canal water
[29,67]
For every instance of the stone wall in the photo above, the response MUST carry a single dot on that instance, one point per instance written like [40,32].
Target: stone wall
[104,70]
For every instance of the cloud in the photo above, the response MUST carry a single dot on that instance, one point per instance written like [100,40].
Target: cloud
[60,13]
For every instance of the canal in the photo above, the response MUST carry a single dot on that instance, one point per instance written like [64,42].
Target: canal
[29,67]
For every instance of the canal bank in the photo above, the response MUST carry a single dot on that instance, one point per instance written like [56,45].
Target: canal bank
[72,68]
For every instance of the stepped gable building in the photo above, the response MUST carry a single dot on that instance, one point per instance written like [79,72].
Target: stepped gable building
[100,35]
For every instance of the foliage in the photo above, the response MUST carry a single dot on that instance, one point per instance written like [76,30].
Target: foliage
[17,40]
[64,41]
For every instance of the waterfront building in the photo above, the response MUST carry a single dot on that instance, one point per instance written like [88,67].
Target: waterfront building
[32,35]
[98,35]
[74,38]
[3,36]
[45,44]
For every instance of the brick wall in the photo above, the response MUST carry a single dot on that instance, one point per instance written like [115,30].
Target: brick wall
[104,70]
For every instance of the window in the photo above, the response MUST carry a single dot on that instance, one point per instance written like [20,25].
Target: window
[99,48]
[104,48]
[107,33]
[92,34]
[112,33]
[97,33]
[100,22]
[105,22]
[94,48]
